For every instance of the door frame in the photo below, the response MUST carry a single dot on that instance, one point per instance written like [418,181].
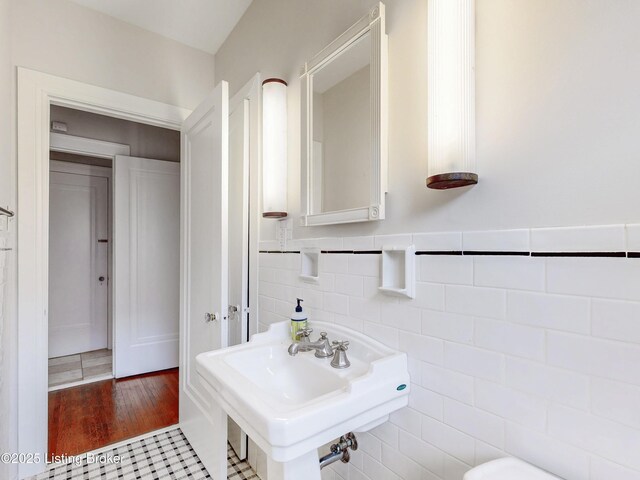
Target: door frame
[36,93]
[252,91]
[62,142]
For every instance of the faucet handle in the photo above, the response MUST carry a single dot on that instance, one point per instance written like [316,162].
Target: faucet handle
[340,359]
[304,333]
[341,345]
[302,336]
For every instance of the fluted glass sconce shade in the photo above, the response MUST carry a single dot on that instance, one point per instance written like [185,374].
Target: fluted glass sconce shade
[451,90]
[274,148]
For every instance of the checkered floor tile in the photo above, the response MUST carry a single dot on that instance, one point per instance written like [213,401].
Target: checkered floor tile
[167,455]
[237,469]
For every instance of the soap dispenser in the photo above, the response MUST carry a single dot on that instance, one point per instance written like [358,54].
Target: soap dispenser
[298,320]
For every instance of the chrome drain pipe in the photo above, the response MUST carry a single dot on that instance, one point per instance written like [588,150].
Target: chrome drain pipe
[340,450]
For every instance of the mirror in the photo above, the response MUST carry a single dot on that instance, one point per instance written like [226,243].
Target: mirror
[341,138]
[344,127]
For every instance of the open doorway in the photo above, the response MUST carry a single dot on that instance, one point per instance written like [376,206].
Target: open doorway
[114,222]
[203,255]
[80,344]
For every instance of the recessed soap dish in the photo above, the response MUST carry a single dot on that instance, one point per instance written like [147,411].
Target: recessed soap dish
[309,265]
[399,271]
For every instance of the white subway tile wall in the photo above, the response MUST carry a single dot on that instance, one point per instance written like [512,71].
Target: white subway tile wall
[607,238]
[633,238]
[497,240]
[438,242]
[535,357]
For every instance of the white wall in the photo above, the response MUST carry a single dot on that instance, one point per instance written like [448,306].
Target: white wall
[8,379]
[145,141]
[7,191]
[65,39]
[6,183]
[557,131]
[557,104]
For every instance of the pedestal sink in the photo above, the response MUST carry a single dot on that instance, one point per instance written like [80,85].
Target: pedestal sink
[292,405]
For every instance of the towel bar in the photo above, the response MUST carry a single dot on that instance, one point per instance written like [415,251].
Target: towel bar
[4,211]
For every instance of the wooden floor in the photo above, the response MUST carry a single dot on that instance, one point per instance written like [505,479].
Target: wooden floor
[95,415]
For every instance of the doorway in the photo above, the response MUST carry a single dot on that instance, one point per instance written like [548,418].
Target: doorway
[79,265]
[113,280]
[204,138]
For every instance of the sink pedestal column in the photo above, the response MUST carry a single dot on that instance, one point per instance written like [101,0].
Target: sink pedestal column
[306,467]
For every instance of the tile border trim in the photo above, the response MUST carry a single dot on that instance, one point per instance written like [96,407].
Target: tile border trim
[477,253]
[581,254]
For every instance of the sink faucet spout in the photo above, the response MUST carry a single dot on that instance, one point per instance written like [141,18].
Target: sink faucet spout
[322,347]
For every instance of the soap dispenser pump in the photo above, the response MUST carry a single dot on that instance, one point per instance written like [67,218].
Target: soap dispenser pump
[298,320]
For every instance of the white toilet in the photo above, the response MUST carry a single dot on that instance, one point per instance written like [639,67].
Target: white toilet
[507,469]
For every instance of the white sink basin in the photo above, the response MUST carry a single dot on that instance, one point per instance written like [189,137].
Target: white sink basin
[283,381]
[293,405]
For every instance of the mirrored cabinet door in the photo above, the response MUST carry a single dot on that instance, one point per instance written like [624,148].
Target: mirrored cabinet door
[344,120]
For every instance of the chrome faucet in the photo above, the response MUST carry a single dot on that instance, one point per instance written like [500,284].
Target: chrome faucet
[322,346]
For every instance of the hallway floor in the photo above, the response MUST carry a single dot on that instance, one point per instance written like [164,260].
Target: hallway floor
[86,366]
[95,415]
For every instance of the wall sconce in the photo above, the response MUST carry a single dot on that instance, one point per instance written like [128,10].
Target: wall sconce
[274,148]
[451,93]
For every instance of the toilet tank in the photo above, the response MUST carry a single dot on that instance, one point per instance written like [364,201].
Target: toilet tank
[507,469]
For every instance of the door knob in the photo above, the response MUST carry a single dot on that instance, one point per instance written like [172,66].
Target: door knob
[101,279]
[210,317]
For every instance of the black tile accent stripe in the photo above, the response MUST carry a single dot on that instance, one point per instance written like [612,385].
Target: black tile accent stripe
[338,252]
[279,251]
[439,252]
[633,254]
[367,252]
[492,253]
[580,254]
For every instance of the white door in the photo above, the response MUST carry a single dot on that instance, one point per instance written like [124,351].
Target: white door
[78,260]
[238,241]
[204,270]
[146,265]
